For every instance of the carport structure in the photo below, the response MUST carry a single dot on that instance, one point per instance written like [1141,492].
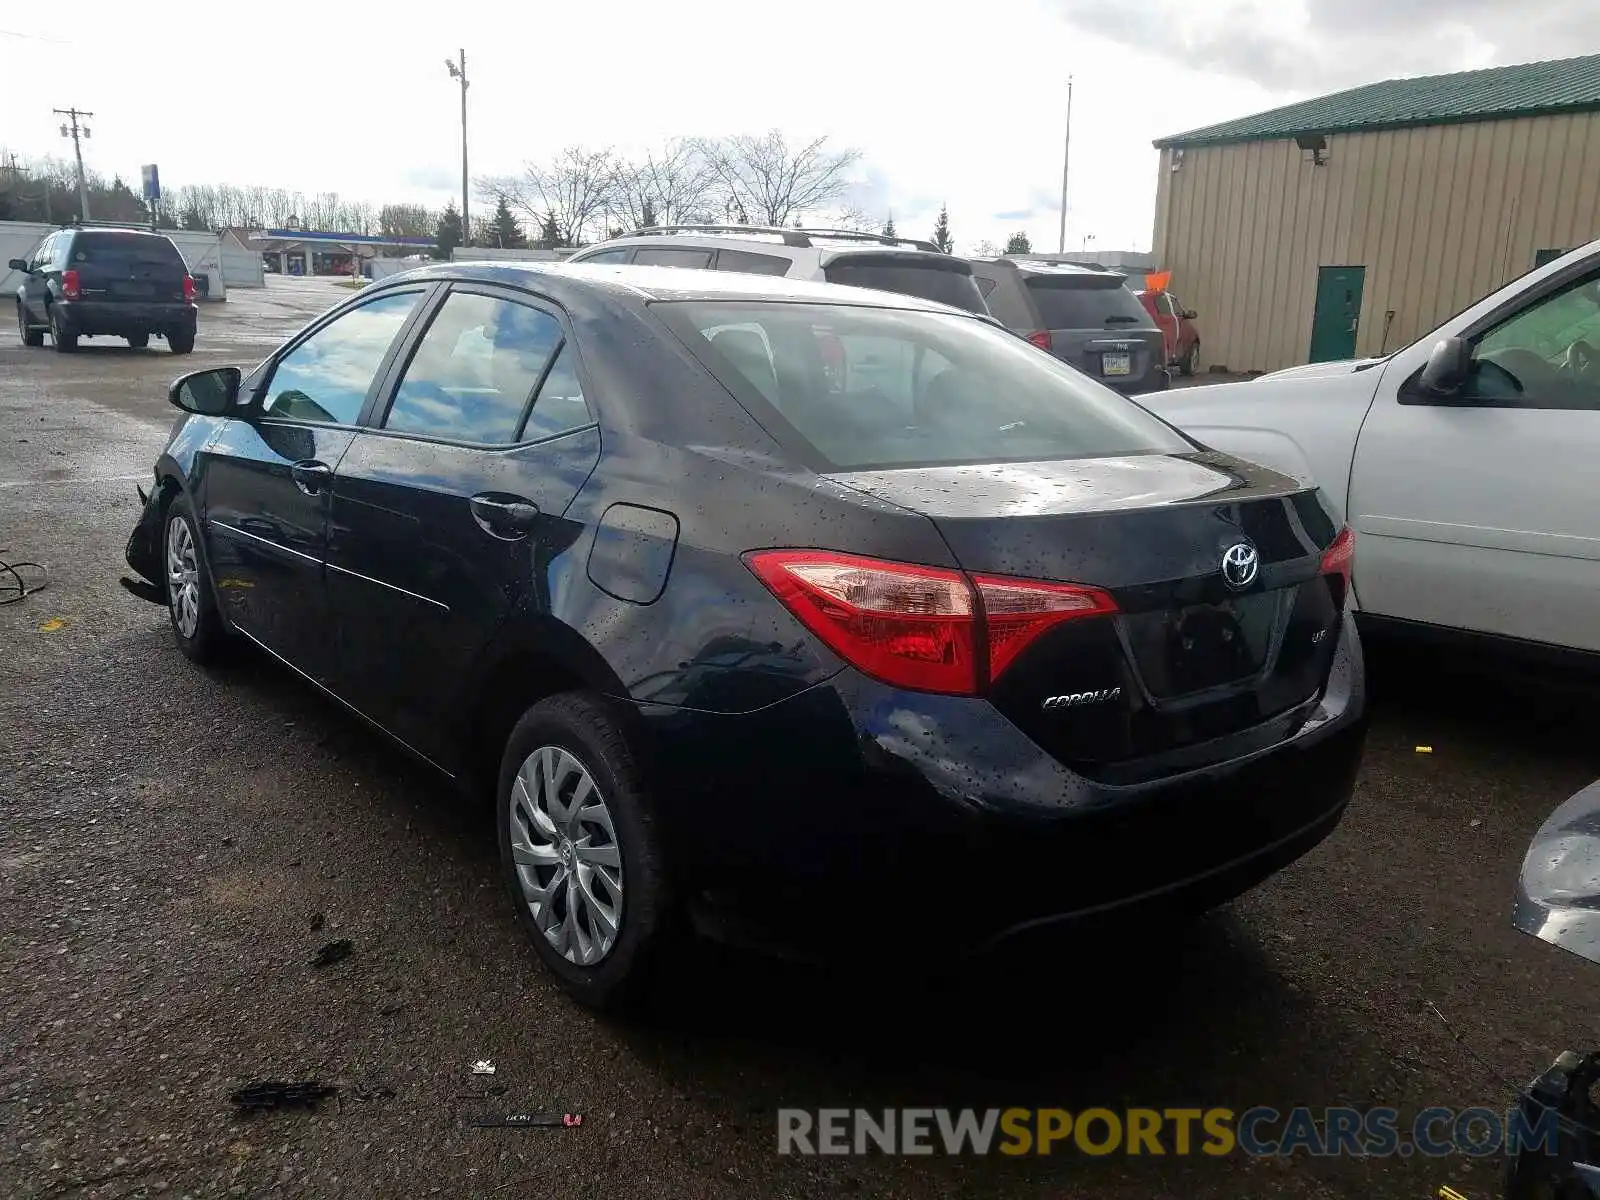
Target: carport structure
[306,252]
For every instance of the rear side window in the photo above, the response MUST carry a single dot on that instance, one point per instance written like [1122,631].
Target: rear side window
[874,388]
[751,264]
[671,256]
[928,279]
[1009,304]
[1084,304]
[124,249]
[474,370]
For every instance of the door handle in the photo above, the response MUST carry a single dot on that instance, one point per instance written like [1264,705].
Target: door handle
[311,476]
[504,516]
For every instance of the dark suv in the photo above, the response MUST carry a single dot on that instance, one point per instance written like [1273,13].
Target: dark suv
[1083,315]
[125,283]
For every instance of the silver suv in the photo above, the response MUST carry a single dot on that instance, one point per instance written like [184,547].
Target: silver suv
[1084,316]
[871,260]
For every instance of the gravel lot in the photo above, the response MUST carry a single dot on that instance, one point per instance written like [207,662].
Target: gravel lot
[175,845]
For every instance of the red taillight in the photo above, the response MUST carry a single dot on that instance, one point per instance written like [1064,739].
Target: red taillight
[188,288]
[69,284]
[1340,556]
[1040,339]
[929,629]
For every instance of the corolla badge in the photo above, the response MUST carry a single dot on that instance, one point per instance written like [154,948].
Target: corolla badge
[1240,565]
[1079,699]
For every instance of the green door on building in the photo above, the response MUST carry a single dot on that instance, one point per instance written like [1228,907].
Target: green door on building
[1333,324]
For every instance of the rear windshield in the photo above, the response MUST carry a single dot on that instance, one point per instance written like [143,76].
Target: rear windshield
[123,249]
[926,280]
[869,387]
[1087,304]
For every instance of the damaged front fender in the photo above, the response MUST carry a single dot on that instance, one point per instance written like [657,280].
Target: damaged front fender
[143,552]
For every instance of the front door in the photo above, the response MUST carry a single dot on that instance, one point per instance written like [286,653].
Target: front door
[265,483]
[1338,313]
[1478,512]
[447,517]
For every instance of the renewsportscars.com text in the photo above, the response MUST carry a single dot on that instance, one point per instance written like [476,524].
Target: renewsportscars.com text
[1259,1132]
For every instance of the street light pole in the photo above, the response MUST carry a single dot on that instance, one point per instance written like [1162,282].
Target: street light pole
[1066,161]
[460,73]
[83,188]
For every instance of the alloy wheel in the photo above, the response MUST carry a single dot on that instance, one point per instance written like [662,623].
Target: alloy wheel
[183,577]
[564,847]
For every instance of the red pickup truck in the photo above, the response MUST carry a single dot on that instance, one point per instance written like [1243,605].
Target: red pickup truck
[1177,327]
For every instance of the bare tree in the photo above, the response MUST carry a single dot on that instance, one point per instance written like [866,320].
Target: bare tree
[574,188]
[407,220]
[770,182]
[673,185]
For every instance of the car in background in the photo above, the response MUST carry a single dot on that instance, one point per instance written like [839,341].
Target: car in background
[1084,316]
[99,282]
[1465,462]
[742,645]
[1177,327]
[906,266]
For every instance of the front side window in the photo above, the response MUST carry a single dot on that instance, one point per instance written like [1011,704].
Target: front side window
[1545,356]
[326,378]
[474,370]
[876,387]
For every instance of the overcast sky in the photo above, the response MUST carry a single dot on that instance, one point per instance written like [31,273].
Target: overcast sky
[955,102]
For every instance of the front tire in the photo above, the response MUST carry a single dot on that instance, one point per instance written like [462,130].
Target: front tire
[138,341]
[180,341]
[580,854]
[30,335]
[64,340]
[191,607]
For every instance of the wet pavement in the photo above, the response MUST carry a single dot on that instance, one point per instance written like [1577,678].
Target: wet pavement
[176,845]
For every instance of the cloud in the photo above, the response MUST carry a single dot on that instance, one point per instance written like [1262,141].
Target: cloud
[1015,214]
[1308,46]
[432,177]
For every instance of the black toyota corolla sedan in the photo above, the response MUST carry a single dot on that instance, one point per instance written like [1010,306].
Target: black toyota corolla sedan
[828,618]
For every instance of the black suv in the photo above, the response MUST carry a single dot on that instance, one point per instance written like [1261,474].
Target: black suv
[125,283]
[1082,315]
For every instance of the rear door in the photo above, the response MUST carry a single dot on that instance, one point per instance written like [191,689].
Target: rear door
[264,483]
[447,510]
[122,266]
[936,277]
[1100,327]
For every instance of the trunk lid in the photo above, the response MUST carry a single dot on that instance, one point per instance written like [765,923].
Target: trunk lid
[128,266]
[1191,656]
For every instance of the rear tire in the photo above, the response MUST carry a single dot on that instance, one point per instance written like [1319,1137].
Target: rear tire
[138,341]
[191,606]
[180,341]
[64,340]
[578,843]
[30,335]
[1190,363]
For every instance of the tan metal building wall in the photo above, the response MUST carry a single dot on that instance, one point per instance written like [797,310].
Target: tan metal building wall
[1438,215]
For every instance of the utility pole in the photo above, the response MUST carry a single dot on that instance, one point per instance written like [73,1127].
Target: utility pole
[77,149]
[1066,161]
[460,73]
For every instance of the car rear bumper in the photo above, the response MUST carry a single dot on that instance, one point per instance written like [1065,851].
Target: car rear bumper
[856,817]
[121,318]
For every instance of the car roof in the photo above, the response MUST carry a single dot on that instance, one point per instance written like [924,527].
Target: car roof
[647,283]
[1027,266]
[116,229]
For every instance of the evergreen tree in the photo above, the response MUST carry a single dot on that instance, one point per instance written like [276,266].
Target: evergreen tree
[1018,243]
[448,236]
[549,233]
[941,230]
[647,215]
[888,227]
[506,232]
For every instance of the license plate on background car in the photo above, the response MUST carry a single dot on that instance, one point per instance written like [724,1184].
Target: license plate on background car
[1116,364]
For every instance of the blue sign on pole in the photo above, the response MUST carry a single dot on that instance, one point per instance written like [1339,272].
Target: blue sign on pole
[152,183]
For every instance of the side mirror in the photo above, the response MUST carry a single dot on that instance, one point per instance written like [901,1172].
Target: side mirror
[19,264]
[207,393]
[1189,314]
[1449,367]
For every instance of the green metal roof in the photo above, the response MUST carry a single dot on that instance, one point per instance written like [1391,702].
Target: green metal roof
[1526,90]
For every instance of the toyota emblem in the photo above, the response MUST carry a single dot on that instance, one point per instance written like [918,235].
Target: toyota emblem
[1240,565]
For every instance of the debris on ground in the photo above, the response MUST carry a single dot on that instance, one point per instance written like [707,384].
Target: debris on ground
[335,951]
[262,1095]
[317,922]
[527,1121]
[483,1067]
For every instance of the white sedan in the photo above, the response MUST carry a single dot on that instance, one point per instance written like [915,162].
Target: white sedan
[1468,463]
